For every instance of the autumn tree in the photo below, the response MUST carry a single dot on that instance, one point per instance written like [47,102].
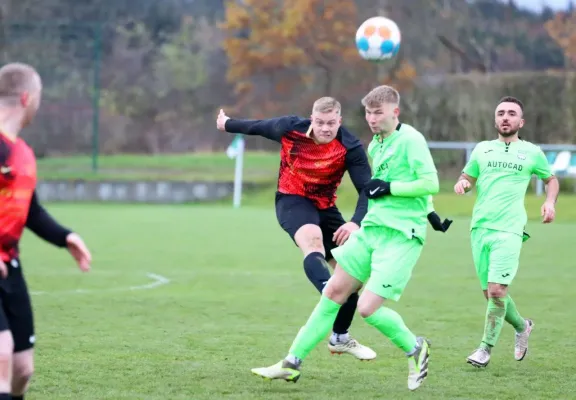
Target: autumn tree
[562,28]
[283,50]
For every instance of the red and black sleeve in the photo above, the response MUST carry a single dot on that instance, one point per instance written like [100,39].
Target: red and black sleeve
[359,170]
[273,128]
[44,226]
[360,173]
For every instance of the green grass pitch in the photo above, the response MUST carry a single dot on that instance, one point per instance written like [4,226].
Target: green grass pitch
[237,296]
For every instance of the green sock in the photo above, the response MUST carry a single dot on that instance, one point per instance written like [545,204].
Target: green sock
[316,329]
[495,313]
[513,317]
[391,324]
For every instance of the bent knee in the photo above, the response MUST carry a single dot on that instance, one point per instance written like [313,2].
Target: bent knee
[336,292]
[309,239]
[364,310]
[496,290]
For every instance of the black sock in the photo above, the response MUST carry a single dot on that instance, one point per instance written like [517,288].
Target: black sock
[346,315]
[17,397]
[316,271]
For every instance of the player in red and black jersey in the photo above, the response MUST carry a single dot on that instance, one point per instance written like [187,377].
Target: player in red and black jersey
[315,154]
[20,93]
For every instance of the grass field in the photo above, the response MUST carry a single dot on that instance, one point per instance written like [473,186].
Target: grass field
[237,296]
[259,167]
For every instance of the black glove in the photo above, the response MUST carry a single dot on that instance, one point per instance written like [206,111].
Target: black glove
[376,188]
[437,225]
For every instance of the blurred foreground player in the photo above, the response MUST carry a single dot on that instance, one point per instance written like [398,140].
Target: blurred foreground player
[315,154]
[20,93]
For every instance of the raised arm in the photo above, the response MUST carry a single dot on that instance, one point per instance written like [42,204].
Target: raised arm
[360,173]
[273,128]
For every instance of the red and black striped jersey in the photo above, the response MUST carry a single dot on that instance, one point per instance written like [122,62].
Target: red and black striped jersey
[19,206]
[309,169]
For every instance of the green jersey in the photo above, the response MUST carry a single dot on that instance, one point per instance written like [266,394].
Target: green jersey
[503,172]
[404,157]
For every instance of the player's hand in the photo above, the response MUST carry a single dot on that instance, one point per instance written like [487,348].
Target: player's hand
[343,233]
[79,251]
[221,121]
[3,270]
[462,186]
[437,224]
[548,212]
[377,188]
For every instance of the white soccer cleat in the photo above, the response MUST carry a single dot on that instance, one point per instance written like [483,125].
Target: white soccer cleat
[480,358]
[418,364]
[352,347]
[281,370]
[521,341]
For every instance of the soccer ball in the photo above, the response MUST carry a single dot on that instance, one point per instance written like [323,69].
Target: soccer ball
[377,39]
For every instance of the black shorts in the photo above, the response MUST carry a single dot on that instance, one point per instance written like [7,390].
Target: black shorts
[16,311]
[295,211]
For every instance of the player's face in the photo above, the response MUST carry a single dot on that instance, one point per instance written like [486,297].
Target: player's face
[508,119]
[325,126]
[383,118]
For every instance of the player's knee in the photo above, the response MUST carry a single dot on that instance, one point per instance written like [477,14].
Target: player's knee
[336,292]
[23,369]
[365,309]
[21,378]
[309,239]
[369,303]
[496,290]
[6,359]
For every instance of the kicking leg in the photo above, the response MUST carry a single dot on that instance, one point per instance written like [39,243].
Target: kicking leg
[310,240]
[340,341]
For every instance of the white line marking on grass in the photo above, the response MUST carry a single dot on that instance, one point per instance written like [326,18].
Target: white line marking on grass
[157,280]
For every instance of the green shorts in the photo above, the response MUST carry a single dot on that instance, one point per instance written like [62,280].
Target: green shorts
[496,255]
[381,258]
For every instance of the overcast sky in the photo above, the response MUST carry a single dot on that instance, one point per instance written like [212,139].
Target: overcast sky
[537,4]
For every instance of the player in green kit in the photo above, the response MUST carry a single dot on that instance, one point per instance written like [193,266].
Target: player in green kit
[501,170]
[383,252]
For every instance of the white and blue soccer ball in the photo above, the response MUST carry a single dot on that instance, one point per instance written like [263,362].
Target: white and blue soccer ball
[378,39]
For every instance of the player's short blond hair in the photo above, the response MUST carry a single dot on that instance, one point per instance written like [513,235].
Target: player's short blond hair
[17,79]
[327,105]
[381,95]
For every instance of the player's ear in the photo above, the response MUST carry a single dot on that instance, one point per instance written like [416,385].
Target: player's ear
[24,99]
[397,111]
[521,123]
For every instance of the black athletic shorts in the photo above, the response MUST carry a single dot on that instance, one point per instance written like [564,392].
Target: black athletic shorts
[295,211]
[16,311]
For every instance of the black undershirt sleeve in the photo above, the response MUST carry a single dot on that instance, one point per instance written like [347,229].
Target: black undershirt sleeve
[44,226]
